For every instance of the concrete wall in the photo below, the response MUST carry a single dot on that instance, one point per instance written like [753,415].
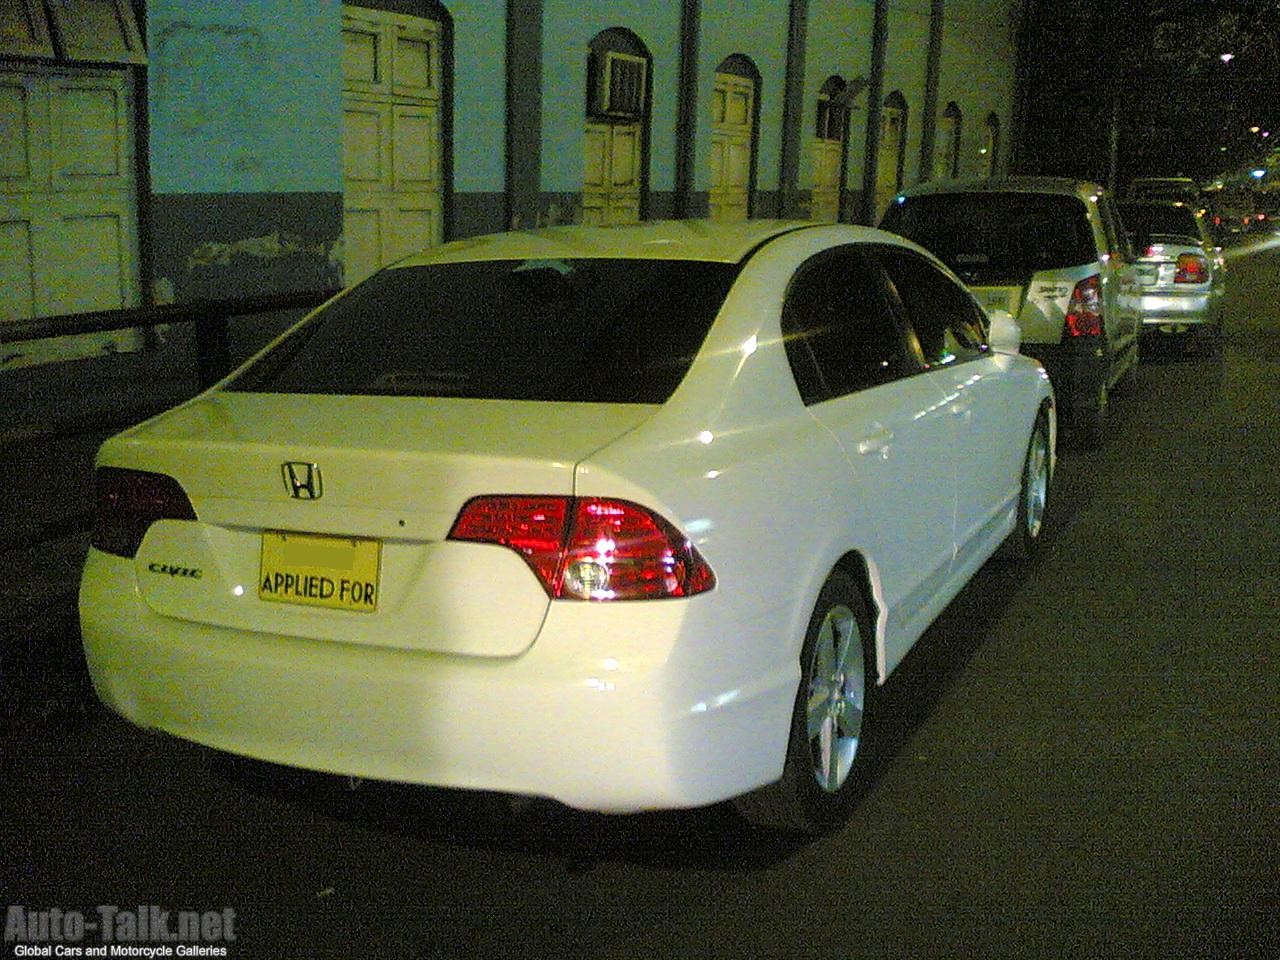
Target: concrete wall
[978,58]
[243,101]
[245,146]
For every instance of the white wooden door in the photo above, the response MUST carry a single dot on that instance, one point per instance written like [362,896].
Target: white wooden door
[732,112]
[611,173]
[891,135]
[825,197]
[391,138]
[68,194]
[945,148]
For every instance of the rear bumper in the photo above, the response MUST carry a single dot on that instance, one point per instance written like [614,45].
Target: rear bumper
[598,718]
[1172,310]
[1077,373]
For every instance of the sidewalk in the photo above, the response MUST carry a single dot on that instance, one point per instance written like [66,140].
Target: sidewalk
[114,390]
[54,419]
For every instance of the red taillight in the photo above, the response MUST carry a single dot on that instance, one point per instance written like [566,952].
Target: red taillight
[129,501]
[589,548]
[534,527]
[1191,268]
[1084,313]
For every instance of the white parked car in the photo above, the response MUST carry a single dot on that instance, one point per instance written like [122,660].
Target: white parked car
[630,517]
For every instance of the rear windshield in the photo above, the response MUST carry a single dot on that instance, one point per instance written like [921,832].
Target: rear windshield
[1157,219]
[988,235]
[595,330]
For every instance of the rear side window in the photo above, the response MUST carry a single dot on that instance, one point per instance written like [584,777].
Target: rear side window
[1147,221]
[603,331]
[989,236]
[946,322]
[840,331]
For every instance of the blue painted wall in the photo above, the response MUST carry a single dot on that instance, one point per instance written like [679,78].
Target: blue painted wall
[979,51]
[245,97]
[245,107]
[906,71]
[479,95]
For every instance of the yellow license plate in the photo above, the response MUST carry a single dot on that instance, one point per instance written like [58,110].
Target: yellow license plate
[999,298]
[319,571]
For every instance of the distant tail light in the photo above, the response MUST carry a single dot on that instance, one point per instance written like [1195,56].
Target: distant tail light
[129,501]
[1084,312]
[589,548]
[1191,268]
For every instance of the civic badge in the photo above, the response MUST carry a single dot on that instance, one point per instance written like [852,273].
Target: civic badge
[302,480]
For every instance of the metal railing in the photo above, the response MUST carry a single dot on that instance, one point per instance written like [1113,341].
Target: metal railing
[213,353]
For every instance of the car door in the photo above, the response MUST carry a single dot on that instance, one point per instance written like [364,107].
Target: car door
[986,447]
[857,376]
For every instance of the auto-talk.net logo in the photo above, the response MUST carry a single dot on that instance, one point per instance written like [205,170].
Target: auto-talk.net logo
[107,930]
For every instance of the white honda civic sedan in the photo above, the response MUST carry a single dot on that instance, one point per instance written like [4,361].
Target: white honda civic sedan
[628,517]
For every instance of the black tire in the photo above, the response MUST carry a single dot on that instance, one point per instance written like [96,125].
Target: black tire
[1033,495]
[830,695]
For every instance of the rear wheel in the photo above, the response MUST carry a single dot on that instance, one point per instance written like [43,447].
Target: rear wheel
[824,772]
[1033,494]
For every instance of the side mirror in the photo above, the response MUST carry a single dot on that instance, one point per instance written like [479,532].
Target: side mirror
[1005,336]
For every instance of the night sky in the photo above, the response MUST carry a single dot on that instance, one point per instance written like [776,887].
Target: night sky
[1158,68]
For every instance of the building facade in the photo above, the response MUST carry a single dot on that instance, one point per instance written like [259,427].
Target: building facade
[162,151]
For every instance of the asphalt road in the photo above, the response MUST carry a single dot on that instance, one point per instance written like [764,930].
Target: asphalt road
[1082,760]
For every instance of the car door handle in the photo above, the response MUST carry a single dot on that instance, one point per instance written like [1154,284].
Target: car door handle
[877,442]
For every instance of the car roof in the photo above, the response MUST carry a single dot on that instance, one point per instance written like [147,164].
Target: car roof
[704,240]
[1062,186]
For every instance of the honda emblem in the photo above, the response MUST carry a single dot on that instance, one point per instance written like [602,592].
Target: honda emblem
[302,480]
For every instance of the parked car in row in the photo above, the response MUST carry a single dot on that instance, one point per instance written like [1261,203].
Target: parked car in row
[1180,270]
[1165,189]
[1051,252]
[630,517]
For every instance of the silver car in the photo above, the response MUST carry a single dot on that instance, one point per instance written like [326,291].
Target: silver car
[1180,271]
[1052,253]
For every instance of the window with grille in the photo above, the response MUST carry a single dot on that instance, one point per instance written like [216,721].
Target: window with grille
[832,120]
[620,86]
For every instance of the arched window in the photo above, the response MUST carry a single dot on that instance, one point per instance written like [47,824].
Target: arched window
[615,150]
[990,149]
[946,150]
[734,136]
[830,136]
[893,149]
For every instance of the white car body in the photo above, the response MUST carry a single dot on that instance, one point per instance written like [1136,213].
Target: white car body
[467,675]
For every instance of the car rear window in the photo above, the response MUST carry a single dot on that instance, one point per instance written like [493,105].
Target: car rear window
[996,236]
[1154,219]
[591,330]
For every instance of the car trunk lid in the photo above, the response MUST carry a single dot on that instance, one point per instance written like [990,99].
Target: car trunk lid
[296,494]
